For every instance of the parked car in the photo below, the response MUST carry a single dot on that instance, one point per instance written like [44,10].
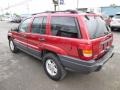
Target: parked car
[115,22]
[6,18]
[107,19]
[15,19]
[64,40]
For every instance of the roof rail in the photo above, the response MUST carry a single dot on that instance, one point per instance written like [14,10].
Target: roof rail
[70,11]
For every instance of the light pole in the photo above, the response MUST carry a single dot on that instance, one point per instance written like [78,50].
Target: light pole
[55,2]
[77,4]
[27,6]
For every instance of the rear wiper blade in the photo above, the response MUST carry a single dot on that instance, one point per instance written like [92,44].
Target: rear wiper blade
[106,33]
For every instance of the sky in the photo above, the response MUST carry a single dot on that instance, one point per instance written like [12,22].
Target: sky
[35,6]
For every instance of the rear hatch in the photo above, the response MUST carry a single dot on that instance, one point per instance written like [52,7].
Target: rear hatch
[100,35]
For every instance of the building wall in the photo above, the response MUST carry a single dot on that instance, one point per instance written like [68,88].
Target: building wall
[110,10]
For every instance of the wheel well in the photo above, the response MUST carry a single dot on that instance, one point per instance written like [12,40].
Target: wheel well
[47,51]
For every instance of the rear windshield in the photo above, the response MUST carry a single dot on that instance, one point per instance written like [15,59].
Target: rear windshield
[96,26]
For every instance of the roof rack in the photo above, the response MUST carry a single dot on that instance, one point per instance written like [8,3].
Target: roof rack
[70,11]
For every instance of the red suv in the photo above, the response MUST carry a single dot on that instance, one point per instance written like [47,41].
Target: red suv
[64,40]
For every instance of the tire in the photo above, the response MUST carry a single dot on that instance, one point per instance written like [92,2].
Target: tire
[53,67]
[12,46]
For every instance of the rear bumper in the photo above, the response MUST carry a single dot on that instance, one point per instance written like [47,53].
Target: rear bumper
[115,26]
[77,65]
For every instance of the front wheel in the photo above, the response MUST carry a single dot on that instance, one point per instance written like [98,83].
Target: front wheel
[12,46]
[53,67]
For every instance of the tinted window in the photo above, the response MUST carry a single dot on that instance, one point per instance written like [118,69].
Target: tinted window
[96,26]
[64,26]
[39,25]
[24,25]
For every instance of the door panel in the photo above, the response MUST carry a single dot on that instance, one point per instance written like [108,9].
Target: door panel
[64,30]
[20,40]
[35,45]
[36,38]
[21,36]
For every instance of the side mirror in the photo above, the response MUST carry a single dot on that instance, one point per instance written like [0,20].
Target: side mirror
[15,29]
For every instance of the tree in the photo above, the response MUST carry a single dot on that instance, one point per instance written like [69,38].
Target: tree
[113,5]
[7,13]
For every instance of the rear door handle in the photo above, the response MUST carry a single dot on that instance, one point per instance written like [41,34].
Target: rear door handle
[42,39]
[24,36]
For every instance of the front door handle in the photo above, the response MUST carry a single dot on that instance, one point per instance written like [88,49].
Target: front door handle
[42,39]
[24,36]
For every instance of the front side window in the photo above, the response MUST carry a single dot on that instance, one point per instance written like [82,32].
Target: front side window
[24,26]
[39,25]
[64,26]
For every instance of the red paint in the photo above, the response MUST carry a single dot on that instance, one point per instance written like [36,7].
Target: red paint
[62,45]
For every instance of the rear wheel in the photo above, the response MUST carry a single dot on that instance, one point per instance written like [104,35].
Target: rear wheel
[12,46]
[53,67]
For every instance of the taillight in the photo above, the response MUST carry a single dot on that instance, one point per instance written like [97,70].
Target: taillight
[87,53]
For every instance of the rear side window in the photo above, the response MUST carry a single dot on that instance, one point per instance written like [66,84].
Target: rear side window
[39,25]
[64,26]
[96,26]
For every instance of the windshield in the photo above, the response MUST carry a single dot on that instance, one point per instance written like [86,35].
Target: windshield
[96,26]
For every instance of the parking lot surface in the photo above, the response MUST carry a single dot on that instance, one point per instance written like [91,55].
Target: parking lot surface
[23,72]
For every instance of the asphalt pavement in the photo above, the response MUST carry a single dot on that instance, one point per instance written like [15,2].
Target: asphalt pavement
[24,72]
